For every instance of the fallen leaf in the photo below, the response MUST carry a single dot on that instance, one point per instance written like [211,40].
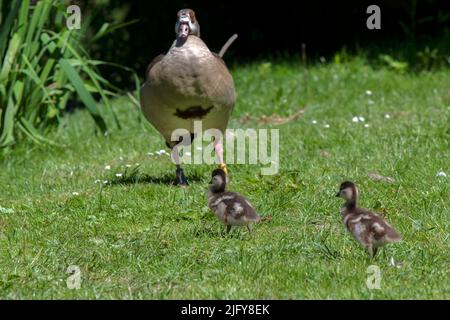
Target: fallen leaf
[400,114]
[325,154]
[377,177]
[274,118]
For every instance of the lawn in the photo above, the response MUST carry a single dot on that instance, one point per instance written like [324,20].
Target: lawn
[105,203]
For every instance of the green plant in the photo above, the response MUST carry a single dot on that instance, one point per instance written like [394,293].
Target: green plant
[397,65]
[429,57]
[43,66]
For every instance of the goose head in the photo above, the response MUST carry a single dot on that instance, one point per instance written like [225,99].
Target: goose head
[348,191]
[186,24]
[218,180]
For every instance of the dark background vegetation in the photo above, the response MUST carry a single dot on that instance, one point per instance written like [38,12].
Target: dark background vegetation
[272,29]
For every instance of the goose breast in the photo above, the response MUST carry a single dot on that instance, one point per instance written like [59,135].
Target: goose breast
[189,83]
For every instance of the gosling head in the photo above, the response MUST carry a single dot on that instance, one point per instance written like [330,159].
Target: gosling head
[348,191]
[218,180]
[186,24]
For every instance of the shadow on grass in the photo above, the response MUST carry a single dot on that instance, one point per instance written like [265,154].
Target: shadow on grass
[138,178]
[212,230]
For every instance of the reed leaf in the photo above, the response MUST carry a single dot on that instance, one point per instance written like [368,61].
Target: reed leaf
[43,66]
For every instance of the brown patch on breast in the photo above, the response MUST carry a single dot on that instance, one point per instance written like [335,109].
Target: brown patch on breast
[195,112]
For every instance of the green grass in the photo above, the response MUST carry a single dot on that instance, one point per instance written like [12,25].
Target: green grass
[138,237]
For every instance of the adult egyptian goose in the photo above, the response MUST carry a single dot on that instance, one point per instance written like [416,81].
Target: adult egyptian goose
[230,208]
[189,83]
[368,228]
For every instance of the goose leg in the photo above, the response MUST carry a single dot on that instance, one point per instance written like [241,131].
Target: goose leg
[180,179]
[228,228]
[218,147]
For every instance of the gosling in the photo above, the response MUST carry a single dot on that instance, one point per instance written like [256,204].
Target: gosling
[230,208]
[368,228]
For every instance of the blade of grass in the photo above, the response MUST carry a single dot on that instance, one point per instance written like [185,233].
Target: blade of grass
[6,26]
[10,56]
[29,130]
[84,95]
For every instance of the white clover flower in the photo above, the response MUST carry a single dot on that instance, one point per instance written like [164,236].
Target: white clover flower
[97,181]
[394,264]
[368,92]
[361,119]
[119,175]
[137,164]
[75,193]
[160,152]
[128,165]
[387,116]
[150,153]
[108,167]
[355,119]
[441,173]
[314,122]
[105,181]
[366,125]
[121,158]
[327,126]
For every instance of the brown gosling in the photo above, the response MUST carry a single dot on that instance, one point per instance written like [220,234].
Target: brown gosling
[368,228]
[230,208]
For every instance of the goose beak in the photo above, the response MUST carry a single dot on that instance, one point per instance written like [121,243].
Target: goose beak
[183,30]
[338,194]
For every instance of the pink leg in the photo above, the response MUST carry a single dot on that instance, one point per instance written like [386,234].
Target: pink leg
[218,147]
[219,151]
[176,156]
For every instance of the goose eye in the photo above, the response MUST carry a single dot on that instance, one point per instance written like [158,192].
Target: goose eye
[192,16]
